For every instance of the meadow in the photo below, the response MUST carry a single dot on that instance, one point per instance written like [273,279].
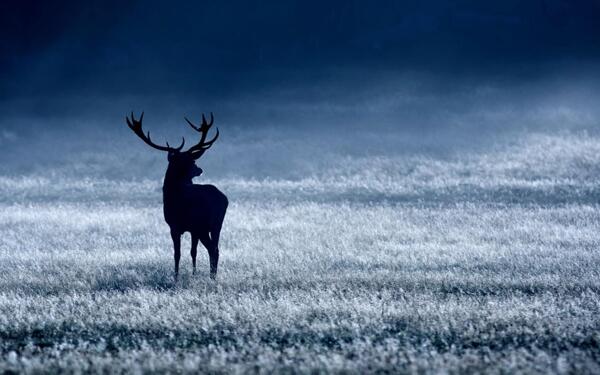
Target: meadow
[398,261]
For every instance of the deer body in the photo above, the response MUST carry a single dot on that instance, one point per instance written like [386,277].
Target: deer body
[204,210]
[197,209]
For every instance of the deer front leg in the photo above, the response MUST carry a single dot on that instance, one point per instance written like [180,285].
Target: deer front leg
[177,251]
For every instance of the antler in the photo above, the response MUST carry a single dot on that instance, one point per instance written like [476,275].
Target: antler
[199,149]
[136,126]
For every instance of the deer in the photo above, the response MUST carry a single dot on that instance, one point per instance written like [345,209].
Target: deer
[188,207]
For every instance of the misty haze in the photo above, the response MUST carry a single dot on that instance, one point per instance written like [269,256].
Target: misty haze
[413,187]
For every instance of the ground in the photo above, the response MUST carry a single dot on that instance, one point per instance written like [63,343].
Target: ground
[478,262]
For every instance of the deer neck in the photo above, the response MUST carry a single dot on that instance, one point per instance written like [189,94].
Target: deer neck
[172,184]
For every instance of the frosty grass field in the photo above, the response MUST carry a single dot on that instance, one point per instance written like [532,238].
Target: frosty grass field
[403,262]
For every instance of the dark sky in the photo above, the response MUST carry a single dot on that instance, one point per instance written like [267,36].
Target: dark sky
[115,48]
[121,47]
[292,69]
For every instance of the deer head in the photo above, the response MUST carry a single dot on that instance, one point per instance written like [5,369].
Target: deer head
[182,164]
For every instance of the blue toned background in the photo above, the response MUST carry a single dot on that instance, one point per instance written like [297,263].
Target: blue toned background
[413,186]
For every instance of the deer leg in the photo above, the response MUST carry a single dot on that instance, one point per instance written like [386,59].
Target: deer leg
[214,261]
[214,252]
[177,253]
[194,251]
[208,244]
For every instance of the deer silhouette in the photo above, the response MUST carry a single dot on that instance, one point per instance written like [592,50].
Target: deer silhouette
[187,207]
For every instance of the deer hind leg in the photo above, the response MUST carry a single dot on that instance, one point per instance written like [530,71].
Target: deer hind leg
[177,251]
[209,245]
[214,253]
[194,251]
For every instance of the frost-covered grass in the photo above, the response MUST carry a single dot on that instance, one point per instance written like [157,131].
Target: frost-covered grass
[395,263]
